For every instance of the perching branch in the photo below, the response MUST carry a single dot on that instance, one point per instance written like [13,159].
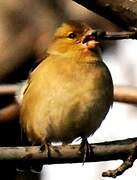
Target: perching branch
[122,149]
[121,12]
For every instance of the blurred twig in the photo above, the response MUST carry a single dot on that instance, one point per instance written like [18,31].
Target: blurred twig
[9,113]
[125,94]
[117,35]
[8,89]
[121,12]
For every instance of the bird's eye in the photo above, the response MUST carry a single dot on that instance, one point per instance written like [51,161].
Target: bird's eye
[72,35]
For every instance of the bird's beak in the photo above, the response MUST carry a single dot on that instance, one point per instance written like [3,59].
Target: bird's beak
[89,40]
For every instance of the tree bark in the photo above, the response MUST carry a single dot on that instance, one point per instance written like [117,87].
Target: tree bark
[104,151]
[121,12]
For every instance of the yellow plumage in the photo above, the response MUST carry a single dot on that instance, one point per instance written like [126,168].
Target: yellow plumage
[70,92]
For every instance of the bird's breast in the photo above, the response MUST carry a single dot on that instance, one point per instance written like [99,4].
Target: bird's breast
[71,102]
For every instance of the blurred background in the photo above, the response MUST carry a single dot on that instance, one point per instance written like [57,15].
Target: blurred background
[26,28]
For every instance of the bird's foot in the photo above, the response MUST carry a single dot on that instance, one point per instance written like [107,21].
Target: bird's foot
[24,167]
[34,167]
[85,149]
[45,147]
[29,167]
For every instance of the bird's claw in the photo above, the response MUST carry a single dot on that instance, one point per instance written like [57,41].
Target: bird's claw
[28,167]
[45,147]
[85,149]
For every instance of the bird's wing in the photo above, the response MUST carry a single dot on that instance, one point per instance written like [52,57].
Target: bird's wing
[22,87]
[41,58]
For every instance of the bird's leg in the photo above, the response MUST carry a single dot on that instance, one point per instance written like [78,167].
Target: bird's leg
[23,166]
[45,146]
[35,167]
[85,148]
[29,166]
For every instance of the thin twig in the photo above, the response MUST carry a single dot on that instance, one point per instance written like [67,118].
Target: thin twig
[8,89]
[125,94]
[128,163]
[103,35]
[9,113]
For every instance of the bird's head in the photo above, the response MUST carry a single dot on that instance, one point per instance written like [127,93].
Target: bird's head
[74,37]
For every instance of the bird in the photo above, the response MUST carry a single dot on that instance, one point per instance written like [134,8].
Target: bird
[70,92]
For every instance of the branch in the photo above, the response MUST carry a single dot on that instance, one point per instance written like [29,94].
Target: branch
[121,12]
[125,94]
[103,35]
[9,113]
[8,89]
[121,149]
[123,167]
[124,149]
